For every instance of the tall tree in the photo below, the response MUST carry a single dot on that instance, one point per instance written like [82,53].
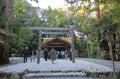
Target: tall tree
[53,17]
[24,16]
[6,15]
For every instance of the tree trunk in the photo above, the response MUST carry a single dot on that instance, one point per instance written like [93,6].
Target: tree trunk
[8,14]
[97,9]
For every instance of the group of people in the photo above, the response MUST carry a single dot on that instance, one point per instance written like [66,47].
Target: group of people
[52,54]
[25,54]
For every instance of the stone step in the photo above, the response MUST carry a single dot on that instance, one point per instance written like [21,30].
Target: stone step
[69,78]
[57,74]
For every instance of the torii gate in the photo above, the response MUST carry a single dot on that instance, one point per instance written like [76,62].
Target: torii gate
[42,30]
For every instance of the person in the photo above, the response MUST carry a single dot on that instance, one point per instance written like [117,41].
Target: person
[45,54]
[25,54]
[63,54]
[59,55]
[52,55]
[70,54]
[32,57]
[66,54]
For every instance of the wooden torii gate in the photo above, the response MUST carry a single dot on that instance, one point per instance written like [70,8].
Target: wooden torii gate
[42,30]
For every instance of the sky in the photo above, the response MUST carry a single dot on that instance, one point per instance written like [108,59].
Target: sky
[45,3]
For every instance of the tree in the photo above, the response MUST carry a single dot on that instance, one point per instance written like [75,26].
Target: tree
[6,16]
[54,17]
[24,16]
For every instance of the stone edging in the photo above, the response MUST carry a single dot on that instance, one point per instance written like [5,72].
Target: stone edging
[13,75]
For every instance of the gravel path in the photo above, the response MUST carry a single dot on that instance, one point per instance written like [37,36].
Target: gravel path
[107,63]
[104,63]
[60,65]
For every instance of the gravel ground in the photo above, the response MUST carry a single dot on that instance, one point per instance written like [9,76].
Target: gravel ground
[84,64]
[107,63]
[104,63]
[91,64]
[60,65]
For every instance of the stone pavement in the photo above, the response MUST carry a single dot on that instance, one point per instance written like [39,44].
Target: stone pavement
[60,65]
[82,68]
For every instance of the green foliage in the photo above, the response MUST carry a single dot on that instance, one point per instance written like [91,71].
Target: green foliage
[33,22]
[19,9]
[19,33]
[115,13]
[96,29]
[106,23]
[94,50]
[19,40]
[2,21]
[55,17]
[106,55]
[25,15]
[81,45]
[25,34]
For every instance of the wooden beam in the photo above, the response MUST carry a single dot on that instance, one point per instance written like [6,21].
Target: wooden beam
[56,46]
[56,33]
[48,28]
[56,43]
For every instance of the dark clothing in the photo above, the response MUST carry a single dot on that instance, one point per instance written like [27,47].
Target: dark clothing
[59,55]
[70,55]
[25,54]
[45,55]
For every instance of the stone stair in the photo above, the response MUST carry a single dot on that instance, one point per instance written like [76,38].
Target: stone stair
[53,75]
[59,75]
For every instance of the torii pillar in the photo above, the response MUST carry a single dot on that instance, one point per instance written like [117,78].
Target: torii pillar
[72,45]
[39,46]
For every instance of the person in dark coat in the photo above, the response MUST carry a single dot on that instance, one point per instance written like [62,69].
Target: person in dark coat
[25,54]
[70,54]
[45,54]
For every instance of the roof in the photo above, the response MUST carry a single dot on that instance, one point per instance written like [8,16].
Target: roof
[56,41]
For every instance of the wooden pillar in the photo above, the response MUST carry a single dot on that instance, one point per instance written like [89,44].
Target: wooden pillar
[39,46]
[72,45]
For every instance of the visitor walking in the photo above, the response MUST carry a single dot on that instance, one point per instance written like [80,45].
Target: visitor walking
[32,57]
[45,54]
[70,54]
[66,54]
[52,55]
[63,54]
[25,54]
